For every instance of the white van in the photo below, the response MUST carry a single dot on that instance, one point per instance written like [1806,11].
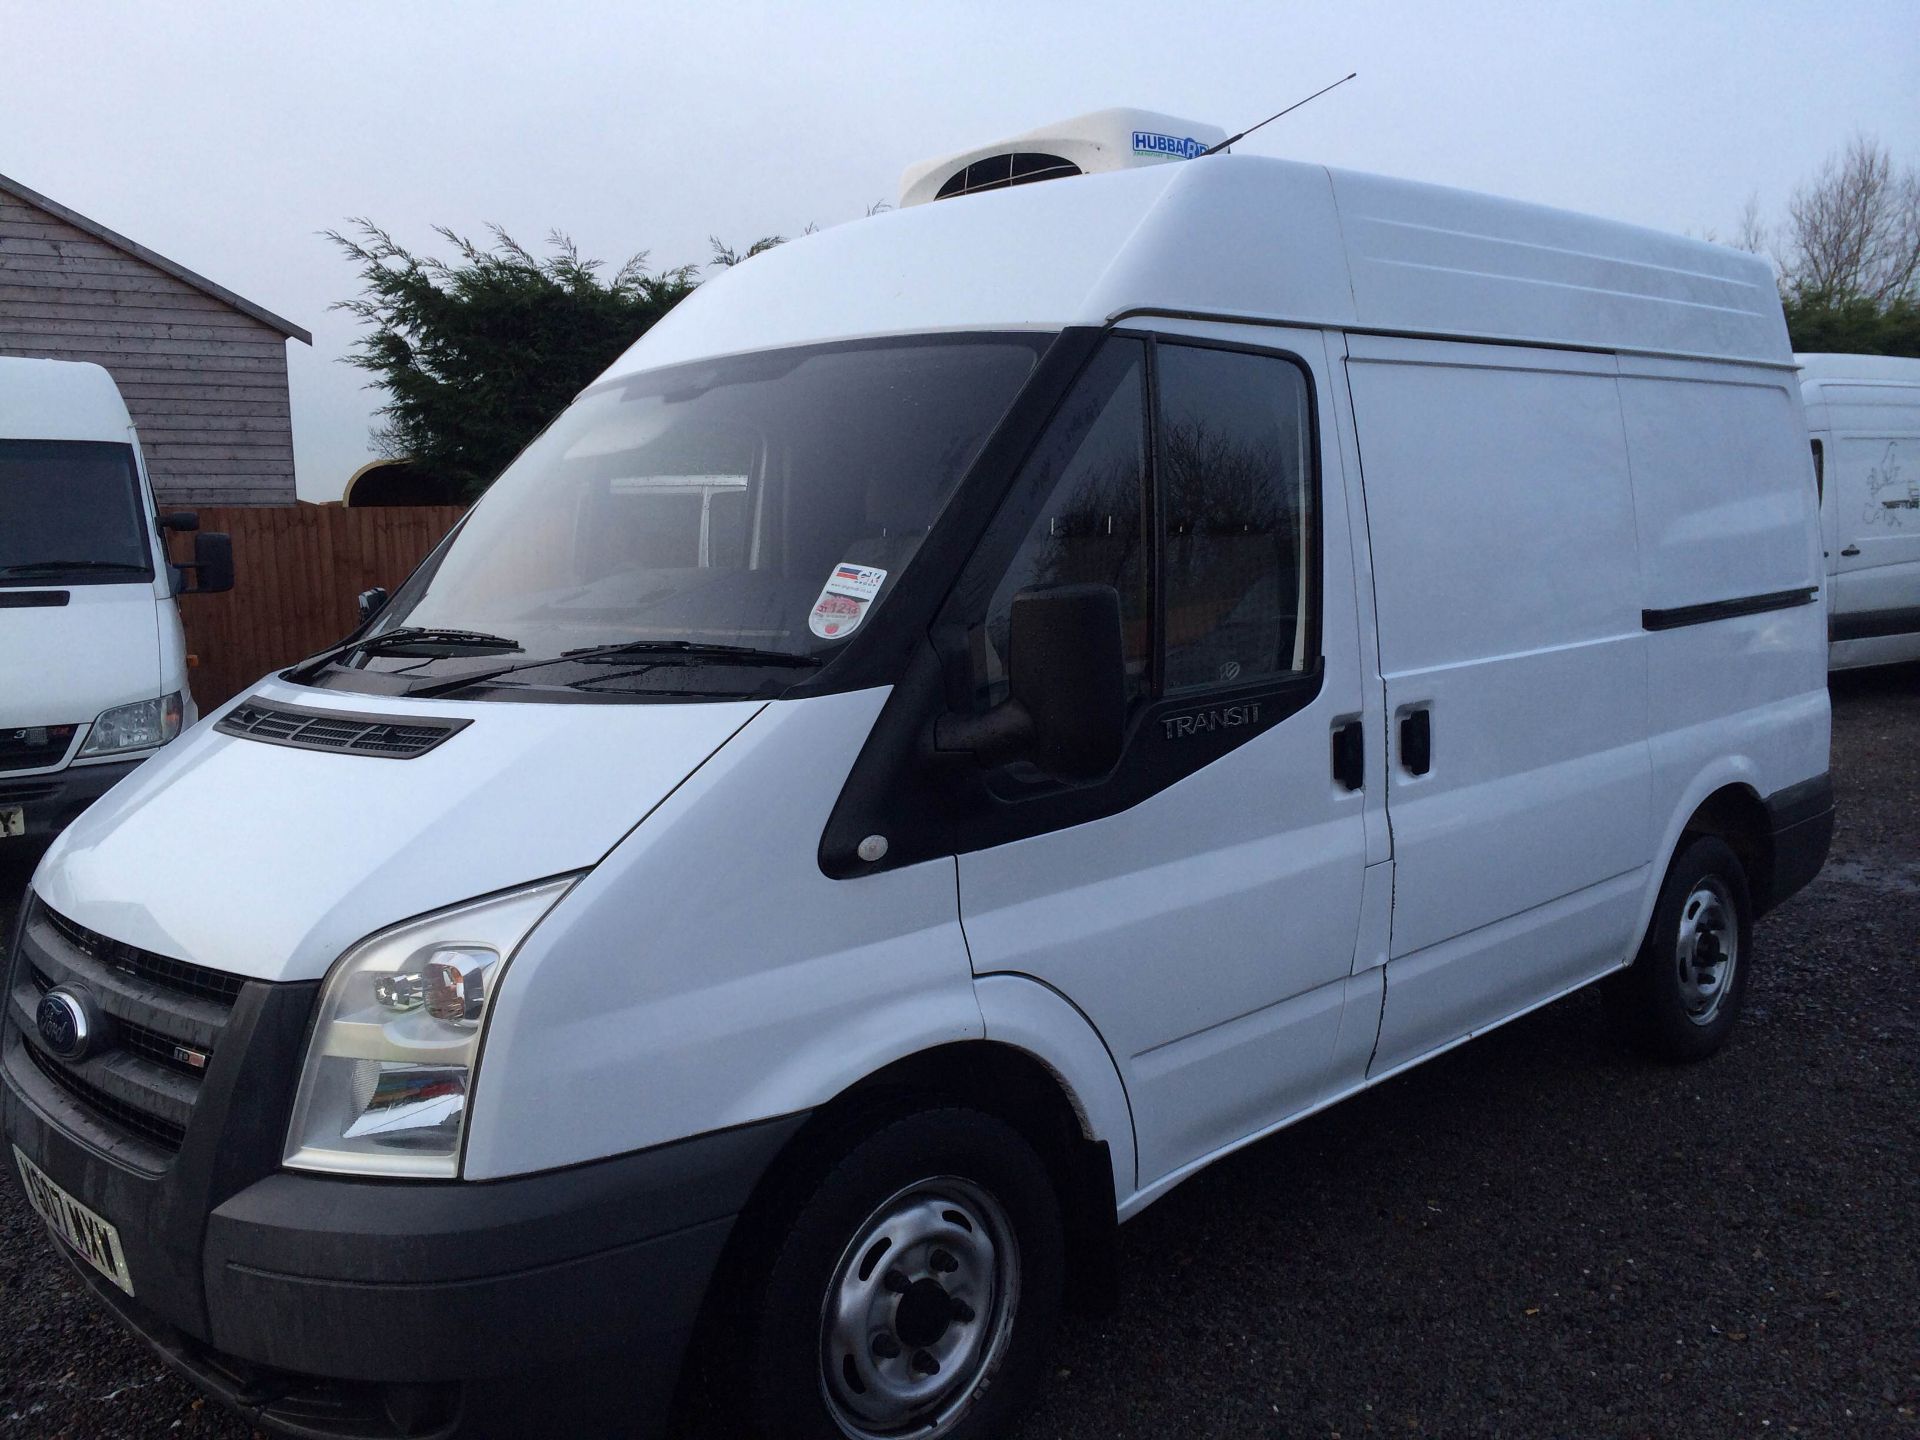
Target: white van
[93,664]
[1864,412]
[1193,642]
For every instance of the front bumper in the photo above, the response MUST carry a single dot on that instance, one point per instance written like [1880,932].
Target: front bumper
[54,799]
[321,1306]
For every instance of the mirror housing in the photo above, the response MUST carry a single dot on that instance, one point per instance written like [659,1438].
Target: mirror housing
[1068,676]
[371,602]
[181,521]
[211,567]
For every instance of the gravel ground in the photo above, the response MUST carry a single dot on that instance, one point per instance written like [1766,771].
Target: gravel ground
[1536,1235]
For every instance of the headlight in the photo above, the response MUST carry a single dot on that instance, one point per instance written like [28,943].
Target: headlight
[397,1038]
[139,726]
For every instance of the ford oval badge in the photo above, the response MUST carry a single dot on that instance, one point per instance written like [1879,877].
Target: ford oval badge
[63,1023]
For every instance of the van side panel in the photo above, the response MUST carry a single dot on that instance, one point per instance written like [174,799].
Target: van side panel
[1873,496]
[1508,589]
[1727,510]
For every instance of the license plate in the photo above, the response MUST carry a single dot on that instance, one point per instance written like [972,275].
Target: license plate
[13,820]
[96,1240]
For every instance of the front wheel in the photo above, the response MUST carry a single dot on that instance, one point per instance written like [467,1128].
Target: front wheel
[1682,994]
[914,1290]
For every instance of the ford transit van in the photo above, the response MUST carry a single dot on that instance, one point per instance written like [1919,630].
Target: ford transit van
[979,714]
[93,663]
[1864,413]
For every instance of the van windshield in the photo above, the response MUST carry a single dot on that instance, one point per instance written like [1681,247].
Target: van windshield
[70,514]
[760,505]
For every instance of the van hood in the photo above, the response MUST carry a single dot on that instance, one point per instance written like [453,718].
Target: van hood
[268,860]
[63,664]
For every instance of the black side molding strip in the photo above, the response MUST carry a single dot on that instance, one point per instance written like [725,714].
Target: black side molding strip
[1726,609]
[1872,624]
[33,599]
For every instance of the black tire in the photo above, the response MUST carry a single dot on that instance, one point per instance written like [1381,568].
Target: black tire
[1662,1003]
[1003,1185]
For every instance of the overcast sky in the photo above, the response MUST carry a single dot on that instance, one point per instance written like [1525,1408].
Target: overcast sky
[227,135]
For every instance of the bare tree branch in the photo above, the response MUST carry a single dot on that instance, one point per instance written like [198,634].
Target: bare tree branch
[1854,230]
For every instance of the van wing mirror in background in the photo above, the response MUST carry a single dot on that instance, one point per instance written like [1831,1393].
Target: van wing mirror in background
[181,521]
[211,569]
[1067,674]
[371,602]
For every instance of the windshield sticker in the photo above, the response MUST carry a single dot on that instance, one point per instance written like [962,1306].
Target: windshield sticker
[844,600]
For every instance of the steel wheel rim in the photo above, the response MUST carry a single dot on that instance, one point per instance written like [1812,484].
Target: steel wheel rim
[931,1276]
[1707,952]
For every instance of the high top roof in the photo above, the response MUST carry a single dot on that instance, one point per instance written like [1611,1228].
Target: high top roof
[1239,237]
[60,400]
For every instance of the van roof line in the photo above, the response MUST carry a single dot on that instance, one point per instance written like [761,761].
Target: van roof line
[1249,238]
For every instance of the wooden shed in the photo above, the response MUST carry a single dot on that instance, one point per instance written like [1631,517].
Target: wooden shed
[203,370]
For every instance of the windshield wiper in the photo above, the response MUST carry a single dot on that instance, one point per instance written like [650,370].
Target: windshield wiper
[692,649]
[452,641]
[41,567]
[659,652]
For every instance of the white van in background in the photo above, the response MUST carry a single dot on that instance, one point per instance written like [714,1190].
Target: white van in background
[1864,415]
[93,665]
[980,713]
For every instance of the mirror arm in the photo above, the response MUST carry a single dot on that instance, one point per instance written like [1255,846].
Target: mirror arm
[1003,733]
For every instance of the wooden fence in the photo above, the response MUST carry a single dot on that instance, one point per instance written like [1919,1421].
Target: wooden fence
[298,569]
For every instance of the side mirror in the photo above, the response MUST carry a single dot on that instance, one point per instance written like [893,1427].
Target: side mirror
[212,565]
[181,521]
[371,603]
[1068,676]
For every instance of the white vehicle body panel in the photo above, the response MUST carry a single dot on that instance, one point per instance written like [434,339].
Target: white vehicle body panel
[1864,414]
[1506,579]
[185,859]
[704,976]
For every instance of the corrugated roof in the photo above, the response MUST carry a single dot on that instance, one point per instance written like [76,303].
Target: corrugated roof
[158,261]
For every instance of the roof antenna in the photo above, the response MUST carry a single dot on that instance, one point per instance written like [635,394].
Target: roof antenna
[1233,139]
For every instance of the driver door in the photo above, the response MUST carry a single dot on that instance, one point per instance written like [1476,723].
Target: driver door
[1201,903]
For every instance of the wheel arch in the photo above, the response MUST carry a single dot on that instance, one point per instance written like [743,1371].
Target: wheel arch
[1724,800]
[1030,1091]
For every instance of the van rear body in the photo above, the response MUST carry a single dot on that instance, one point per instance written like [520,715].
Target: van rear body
[1864,415]
[980,713]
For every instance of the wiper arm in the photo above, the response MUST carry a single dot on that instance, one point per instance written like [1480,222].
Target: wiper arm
[661,652]
[427,636]
[38,567]
[444,642]
[693,650]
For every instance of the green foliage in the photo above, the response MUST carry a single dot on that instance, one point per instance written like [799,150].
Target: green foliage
[1853,324]
[476,355]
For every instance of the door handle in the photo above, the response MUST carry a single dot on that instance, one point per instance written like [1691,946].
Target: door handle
[1416,741]
[1851,550]
[1350,754]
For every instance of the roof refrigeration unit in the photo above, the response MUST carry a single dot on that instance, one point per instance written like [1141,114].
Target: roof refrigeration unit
[1117,139]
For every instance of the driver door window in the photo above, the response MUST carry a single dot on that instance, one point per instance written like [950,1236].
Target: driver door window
[1211,508]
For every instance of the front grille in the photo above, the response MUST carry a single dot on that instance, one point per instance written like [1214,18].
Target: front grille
[36,747]
[157,969]
[160,1016]
[126,1116]
[138,1038]
[390,736]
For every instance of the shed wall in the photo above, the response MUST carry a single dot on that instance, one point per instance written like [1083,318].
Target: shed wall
[206,385]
